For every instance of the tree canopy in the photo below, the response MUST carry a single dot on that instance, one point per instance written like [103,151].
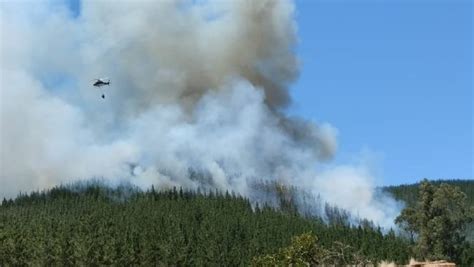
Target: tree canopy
[102,226]
[437,222]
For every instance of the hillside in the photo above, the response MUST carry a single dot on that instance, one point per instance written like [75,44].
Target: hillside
[409,193]
[96,225]
[92,224]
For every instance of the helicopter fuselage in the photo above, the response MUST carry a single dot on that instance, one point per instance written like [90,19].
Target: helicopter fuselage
[100,83]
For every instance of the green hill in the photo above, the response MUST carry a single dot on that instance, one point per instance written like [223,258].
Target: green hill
[96,225]
[409,193]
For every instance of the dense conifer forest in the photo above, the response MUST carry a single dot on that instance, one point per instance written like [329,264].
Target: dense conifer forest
[98,225]
[92,224]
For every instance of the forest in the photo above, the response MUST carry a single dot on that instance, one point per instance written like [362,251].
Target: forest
[97,225]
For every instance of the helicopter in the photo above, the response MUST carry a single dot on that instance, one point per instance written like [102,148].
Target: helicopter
[101,82]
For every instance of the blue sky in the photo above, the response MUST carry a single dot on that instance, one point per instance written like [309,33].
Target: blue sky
[395,78]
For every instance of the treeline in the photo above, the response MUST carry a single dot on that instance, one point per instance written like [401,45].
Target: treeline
[98,225]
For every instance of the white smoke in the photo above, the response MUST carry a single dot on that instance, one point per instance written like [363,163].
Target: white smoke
[198,85]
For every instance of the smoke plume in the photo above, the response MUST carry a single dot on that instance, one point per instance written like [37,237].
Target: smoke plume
[195,85]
